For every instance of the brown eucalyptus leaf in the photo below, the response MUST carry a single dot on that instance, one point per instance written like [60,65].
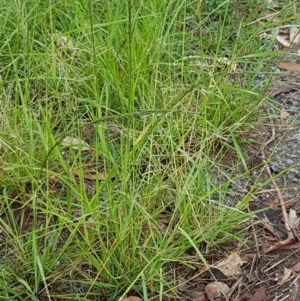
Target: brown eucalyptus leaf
[293,67]
[296,268]
[283,89]
[231,266]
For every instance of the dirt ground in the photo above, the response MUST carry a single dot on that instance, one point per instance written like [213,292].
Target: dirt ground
[264,273]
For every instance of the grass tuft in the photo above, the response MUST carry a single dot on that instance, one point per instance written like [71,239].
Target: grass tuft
[152,94]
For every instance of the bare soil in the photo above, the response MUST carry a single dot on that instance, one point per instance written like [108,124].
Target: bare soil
[273,275]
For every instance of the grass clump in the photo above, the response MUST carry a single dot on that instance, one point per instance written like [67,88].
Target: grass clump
[114,116]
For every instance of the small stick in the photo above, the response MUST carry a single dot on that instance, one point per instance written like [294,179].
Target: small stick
[277,246]
[252,266]
[234,287]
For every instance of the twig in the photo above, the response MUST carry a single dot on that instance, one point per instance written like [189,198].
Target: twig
[252,266]
[255,239]
[234,287]
[290,235]
[279,245]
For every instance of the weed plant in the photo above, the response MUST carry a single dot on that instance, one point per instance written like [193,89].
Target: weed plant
[114,117]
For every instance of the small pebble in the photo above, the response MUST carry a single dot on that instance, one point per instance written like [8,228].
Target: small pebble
[276,167]
[287,195]
[296,136]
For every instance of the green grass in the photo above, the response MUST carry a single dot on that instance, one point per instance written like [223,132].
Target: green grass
[143,83]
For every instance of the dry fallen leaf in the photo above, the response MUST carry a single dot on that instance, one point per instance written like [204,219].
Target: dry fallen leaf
[294,35]
[286,276]
[259,295]
[296,268]
[283,113]
[283,89]
[272,17]
[294,38]
[132,298]
[294,221]
[283,41]
[75,143]
[215,290]
[293,67]
[231,266]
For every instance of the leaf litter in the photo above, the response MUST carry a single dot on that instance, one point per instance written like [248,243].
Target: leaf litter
[259,295]
[271,271]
